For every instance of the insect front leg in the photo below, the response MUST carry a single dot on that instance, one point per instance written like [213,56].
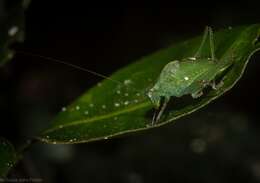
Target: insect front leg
[163,107]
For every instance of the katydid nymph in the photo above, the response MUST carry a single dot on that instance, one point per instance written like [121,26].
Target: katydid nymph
[188,76]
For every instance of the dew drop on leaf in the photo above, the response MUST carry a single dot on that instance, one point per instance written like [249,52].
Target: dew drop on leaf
[117,104]
[127,81]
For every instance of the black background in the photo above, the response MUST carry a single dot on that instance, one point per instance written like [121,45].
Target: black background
[104,36]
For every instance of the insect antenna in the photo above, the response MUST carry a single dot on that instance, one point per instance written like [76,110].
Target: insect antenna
[73,66]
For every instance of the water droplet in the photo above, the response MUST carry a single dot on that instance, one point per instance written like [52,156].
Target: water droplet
[186,78]
[63,109]
[127,81]
[192,58]
[117,104]
[126,94]
[118,91]
[91,105]
[126,102]
[13,30]
[104,106]
[86,112]
[77,108]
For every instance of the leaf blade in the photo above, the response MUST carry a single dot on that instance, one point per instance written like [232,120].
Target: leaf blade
[11,28]
[87,119]
[8,157]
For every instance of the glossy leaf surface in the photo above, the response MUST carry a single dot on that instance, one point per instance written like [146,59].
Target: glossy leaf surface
[111,109]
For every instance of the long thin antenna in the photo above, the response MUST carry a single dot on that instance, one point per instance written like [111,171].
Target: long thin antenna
[69,64]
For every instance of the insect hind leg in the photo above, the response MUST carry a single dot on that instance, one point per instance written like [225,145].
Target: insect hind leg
[211,44]
[216,86]
[204,38]
[207,33]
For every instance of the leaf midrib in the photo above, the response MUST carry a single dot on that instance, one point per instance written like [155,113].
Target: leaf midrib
[98,118]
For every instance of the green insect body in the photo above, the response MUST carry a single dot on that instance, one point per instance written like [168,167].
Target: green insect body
[188,76]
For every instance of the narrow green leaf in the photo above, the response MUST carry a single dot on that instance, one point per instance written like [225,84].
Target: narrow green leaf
[111,109]
[7,157]
[11,27]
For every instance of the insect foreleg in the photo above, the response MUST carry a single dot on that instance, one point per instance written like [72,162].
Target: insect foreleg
[155,120]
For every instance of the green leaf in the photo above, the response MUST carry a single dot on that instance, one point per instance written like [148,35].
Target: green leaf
[112,109]
[8,157]
[11,27]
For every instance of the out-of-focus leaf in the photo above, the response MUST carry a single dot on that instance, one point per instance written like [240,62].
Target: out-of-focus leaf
[112,109]
[11,26]
[8,157]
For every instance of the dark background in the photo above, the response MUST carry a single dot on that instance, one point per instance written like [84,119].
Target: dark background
[220,143]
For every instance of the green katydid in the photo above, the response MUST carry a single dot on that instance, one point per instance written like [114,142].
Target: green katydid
[178,78]
[188,76]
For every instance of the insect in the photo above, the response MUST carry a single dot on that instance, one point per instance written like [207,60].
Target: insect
[179,77]
[187,76]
